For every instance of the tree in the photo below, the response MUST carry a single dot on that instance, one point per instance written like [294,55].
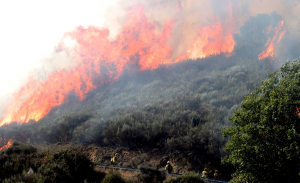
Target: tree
[265,135]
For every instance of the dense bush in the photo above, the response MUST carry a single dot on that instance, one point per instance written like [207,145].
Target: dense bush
[114,177]
[68,165]
[19,148]
[190,177]
[151,175]
[264,140]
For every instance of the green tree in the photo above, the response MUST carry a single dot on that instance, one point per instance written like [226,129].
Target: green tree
[265,135]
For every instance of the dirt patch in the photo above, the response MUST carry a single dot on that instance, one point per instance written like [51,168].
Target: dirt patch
[128,158]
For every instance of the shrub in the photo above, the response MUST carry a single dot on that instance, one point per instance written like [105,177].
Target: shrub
[19,148]
[190,177]
[151,175]
[113,176]
[71,162]
[53,172]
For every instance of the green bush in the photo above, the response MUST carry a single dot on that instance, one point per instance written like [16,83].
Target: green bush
[68,165]
[113,176]
[190,177]
[19,148]
[151,175]
[264,138]
[53,172]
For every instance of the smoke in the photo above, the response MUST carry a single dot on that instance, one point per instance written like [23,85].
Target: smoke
[187,15]
[30,33]
[289,10]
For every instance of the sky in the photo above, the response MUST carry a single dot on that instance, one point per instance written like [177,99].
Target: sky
[30,30]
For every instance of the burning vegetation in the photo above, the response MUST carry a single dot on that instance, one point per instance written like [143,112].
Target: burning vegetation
[100,60]
[137,91]
[270,50]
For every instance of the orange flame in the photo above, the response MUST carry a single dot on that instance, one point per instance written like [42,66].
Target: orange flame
[212,40]
[270,50]
[102,60]
[9,143]
[298,111]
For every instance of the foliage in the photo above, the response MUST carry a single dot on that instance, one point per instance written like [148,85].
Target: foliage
[68,165]
[113,176]
[19,148]
[151,175]
[189,177]
[264,140]
[252,38]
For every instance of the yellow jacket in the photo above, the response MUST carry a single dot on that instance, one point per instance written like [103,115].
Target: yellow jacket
[205,173]
[114,160]
[168,170]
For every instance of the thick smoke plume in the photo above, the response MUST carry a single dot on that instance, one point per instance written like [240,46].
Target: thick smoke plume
[190,14]
[142,35]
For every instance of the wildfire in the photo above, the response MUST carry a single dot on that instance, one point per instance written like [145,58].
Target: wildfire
[270,50]
[102,60]
[212,40]
[9,143]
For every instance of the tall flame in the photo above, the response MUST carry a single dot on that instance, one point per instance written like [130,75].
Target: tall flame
[212,40]
[102,60]
[269,52]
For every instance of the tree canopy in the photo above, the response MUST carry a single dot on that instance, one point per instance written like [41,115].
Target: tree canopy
[265,135]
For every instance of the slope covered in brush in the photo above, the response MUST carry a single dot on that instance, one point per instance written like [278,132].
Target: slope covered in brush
[182,107]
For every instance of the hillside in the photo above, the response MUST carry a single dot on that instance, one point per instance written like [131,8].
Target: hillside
[183,107]
[175,112]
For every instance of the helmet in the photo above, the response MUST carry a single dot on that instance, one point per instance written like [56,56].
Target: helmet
[168,162]
[117,154]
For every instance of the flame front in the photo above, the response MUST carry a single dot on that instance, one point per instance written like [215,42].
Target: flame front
[102,60]
[9,143]
[212,40]
[269,52]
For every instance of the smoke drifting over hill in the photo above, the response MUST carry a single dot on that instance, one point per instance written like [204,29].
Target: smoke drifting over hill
[146,35]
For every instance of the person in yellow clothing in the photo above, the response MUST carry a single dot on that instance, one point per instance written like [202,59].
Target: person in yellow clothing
[205,173]
[169,168]
[114,160]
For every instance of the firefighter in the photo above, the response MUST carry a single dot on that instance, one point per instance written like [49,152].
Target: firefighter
[169,168]
[216,174]
[205,173]
[114,160]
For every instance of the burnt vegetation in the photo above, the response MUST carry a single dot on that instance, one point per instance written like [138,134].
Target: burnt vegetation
[182,107]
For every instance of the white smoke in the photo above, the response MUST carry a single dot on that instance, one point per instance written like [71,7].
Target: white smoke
[30,33]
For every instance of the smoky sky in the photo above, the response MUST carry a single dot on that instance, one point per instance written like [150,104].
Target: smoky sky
[189,15]
[195,13]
